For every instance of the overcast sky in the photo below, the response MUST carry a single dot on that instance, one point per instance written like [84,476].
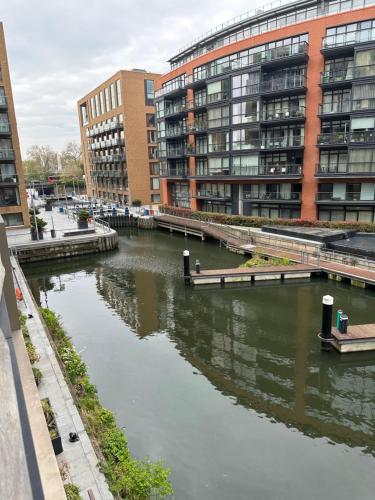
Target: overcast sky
[59,50]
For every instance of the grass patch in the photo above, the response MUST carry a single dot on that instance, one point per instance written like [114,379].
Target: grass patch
[72,492]
[31,351]
[259,261]
[127,477]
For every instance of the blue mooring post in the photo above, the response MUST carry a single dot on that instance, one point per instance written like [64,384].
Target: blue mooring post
[197,266]
[186,255]
[326,333]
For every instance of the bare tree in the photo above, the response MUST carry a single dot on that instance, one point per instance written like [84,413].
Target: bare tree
[71,161]
[44,158]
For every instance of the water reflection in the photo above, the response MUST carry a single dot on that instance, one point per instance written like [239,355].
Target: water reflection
[256,344]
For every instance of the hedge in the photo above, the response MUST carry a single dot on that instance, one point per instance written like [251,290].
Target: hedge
[251,221]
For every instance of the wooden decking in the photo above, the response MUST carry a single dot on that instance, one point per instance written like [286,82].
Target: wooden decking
[358,338]
[243,274]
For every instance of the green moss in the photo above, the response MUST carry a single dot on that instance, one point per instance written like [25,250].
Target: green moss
[127,477]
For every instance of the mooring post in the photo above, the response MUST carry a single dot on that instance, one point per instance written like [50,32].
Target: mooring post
[197,266]
[186,255]
[326,333]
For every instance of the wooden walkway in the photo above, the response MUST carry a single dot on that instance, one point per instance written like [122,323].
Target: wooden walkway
[358,338]
[243,274]
[233,240]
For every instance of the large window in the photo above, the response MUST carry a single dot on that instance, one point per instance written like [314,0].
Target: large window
[218,142]
[84,114]
[211,190]
[350,33]
[365,63]
[283,107]
[92,107]
[218,117]
[364,96]
[107,101]
[149,92]
[246,84]
[336,101]
[13,219]
[245,165]
[9,196]
[245,139]
[113,95]
[217,91]
[245,112]
[150,120]
[283,137]
[155,183]
[334,161]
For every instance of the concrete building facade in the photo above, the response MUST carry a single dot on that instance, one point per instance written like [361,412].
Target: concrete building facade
[13,201]
[273,115]
[118,134]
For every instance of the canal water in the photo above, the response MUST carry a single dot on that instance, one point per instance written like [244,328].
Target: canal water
[227,385]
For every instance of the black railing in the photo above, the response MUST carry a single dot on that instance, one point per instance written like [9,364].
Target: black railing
[355,168]
[272,196]
[288,114]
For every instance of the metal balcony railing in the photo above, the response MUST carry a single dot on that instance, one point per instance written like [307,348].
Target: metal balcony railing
[332,108]
[272,196]
[333,138]
[8,179]
[288,114]
[175,109]
[355,168]
[289,82]
[282,142]
[215,195]
[362,136]
[7,154]
[217,96]
[175,172]
[268,170]
[350,38]
[330,196]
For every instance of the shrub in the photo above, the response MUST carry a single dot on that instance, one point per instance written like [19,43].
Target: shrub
[127,477]
[38,375]
[72,492]
[259,261]
[31,351]
[242,220]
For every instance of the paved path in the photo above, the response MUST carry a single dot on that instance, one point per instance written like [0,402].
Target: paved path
[239,271]
[80,456]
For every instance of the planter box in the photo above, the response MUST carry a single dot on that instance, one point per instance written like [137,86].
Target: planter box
[34,235]
[57,444]
[83,224]
[48,207]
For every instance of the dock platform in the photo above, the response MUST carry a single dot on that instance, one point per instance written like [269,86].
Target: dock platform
[359,338]
[248,274]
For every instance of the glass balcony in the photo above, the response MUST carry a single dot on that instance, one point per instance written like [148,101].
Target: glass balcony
[288,114]
[212,195]
[273,196]
[358,168]
[218,148]
[217,96]
[198,126]
[362,136]
[7,154]
[330,196]
[175,86]
[282,142]
[176,109]
[336,75]
[268,170]
[175,152]
[333,108]
[176,131]
[363,104]
[336,138]
[198,149]
[291,82]
[206,172]
[175,172]
[350,38]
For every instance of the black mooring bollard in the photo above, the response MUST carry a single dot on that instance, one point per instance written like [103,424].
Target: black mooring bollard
[326,333]
[186,255]
[197,266]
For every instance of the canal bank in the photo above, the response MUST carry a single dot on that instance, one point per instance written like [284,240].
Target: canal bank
[227,384]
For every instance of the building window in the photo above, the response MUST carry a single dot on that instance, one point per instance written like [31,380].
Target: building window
[118,92]
[113,96]
[150,119]
[9,197]
[218,117]
[337,101]
[245,139]
[155,198]
[151,136]
[97,104]
[245,112]
[245,165]
[246,84]
[217,91]
[13,219]
[106,94]
[155,183]
[92,107]
[152,153]
[154,168]
[364,96]
[102,104]
[84,114]
[149,92]
[218,142]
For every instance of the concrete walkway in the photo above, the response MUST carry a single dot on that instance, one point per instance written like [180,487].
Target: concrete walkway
[55,220]
[80,456]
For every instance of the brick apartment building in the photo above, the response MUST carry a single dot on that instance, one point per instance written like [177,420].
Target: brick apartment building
[273,114]
[13,201]
[118,134]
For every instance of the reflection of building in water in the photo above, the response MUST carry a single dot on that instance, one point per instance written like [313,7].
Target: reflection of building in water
[249,352]
[133,295]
